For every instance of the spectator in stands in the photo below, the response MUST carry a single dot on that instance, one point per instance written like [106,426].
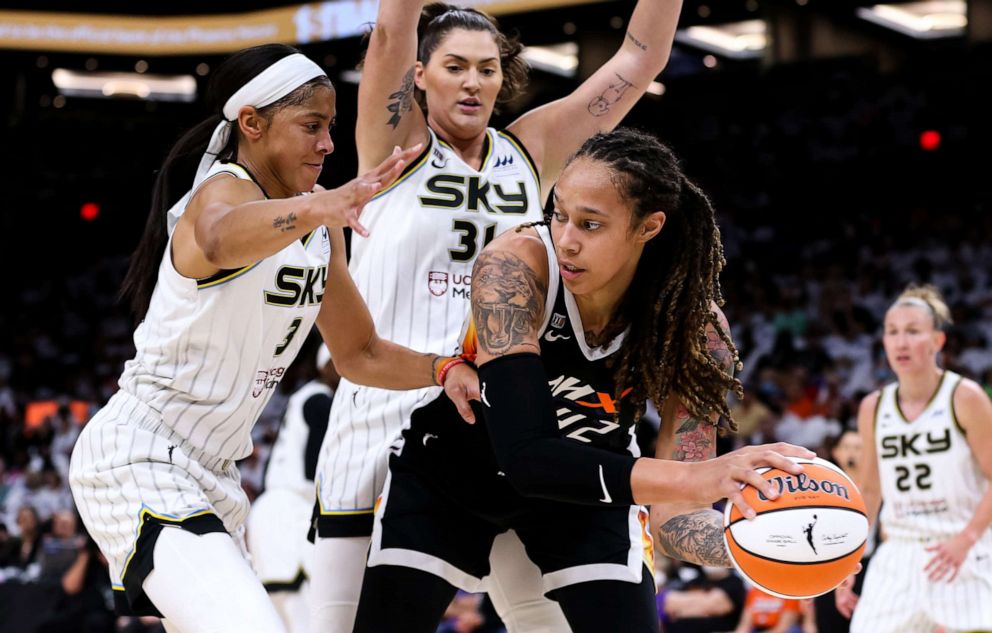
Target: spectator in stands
[767,613]
[706,600]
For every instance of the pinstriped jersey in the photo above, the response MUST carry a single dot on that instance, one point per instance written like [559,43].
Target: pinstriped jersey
[414,272]
[210,351]
[931,481]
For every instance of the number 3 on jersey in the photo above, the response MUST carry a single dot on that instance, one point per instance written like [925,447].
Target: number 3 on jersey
[468,241]
[293,327]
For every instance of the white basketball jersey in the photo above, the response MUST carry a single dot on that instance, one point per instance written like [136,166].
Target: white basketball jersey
[286,469]
[210,351]
[414,271]
[931,481]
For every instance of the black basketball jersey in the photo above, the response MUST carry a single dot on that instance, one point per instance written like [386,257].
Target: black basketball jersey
[587,406]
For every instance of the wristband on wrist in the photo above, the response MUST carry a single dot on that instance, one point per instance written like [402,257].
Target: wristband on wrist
[443,365]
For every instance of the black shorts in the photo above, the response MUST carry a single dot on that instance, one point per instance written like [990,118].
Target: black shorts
[445,502]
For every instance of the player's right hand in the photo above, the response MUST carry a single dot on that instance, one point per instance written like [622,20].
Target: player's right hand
[728,474]
[343,205]
[462,385]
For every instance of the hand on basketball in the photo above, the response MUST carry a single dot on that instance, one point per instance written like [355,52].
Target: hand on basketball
[461,385]
[738,467]
[948,557]
[845,598]
[342,206]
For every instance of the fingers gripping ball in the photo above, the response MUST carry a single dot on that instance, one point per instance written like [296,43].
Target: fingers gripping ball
[807,541]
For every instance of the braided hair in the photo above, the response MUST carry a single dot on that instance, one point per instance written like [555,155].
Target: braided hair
[668,305]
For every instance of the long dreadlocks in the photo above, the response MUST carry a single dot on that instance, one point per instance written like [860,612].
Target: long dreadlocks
[669,303]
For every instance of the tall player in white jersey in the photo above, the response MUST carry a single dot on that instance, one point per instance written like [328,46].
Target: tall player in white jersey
[928,457]
[227,282]
[435,77]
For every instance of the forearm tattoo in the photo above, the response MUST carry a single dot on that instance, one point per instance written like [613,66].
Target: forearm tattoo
[636,42]
[601,104]
[285,223]
[401,101]
[507,301]
[696,538]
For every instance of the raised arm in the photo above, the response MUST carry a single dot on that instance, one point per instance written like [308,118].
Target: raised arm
[554,131]
[388,115]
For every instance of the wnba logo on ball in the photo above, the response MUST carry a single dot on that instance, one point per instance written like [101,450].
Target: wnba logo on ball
[802,483]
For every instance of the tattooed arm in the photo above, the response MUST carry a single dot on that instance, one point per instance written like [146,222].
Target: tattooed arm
[509,288]
[554,131]
[388,115]
[229,223]
[685,531]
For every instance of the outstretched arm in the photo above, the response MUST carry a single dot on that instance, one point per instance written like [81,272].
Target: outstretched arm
[509,287]
[554,131]
[361,356]
[388,115]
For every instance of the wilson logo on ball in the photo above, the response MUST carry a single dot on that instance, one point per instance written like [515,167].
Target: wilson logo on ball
[801,483]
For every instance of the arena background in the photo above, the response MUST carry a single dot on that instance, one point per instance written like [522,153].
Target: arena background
[846,154]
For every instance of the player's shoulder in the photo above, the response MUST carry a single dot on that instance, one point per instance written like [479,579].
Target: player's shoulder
[970,401]
[522,245]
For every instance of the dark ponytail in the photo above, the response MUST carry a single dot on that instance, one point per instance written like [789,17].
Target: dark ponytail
[669,303]
[176,174]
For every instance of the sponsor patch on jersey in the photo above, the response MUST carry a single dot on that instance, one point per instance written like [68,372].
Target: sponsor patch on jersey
[267,379]
[437,283]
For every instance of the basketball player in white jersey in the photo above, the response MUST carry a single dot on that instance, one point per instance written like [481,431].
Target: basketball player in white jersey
[277,522]
[928,457]
[227,282]
[435,77]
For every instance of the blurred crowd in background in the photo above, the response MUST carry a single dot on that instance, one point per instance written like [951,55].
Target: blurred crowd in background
[828,208]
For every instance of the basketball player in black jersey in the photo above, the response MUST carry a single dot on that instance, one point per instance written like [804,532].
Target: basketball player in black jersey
[613,304]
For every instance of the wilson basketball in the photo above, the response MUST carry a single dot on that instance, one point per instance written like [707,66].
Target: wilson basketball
[807,541]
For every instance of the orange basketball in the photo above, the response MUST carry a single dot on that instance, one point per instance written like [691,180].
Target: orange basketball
[807,541]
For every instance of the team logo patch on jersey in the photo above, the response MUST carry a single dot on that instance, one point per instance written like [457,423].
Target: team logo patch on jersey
[437,283]
[503,161]
[558,320]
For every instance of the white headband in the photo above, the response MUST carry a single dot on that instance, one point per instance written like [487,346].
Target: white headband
[267,87]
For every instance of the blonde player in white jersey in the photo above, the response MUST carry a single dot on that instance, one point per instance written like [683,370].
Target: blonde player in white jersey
[434,76]
[928,457]
[228,282]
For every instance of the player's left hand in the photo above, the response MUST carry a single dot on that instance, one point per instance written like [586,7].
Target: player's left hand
[948,557]
[461,385]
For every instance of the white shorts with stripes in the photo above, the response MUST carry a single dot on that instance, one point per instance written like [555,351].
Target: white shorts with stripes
[899,598]
[131,475]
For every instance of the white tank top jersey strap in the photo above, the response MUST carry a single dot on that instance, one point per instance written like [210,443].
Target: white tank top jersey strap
[414,272]
[931,481]
[211,351]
